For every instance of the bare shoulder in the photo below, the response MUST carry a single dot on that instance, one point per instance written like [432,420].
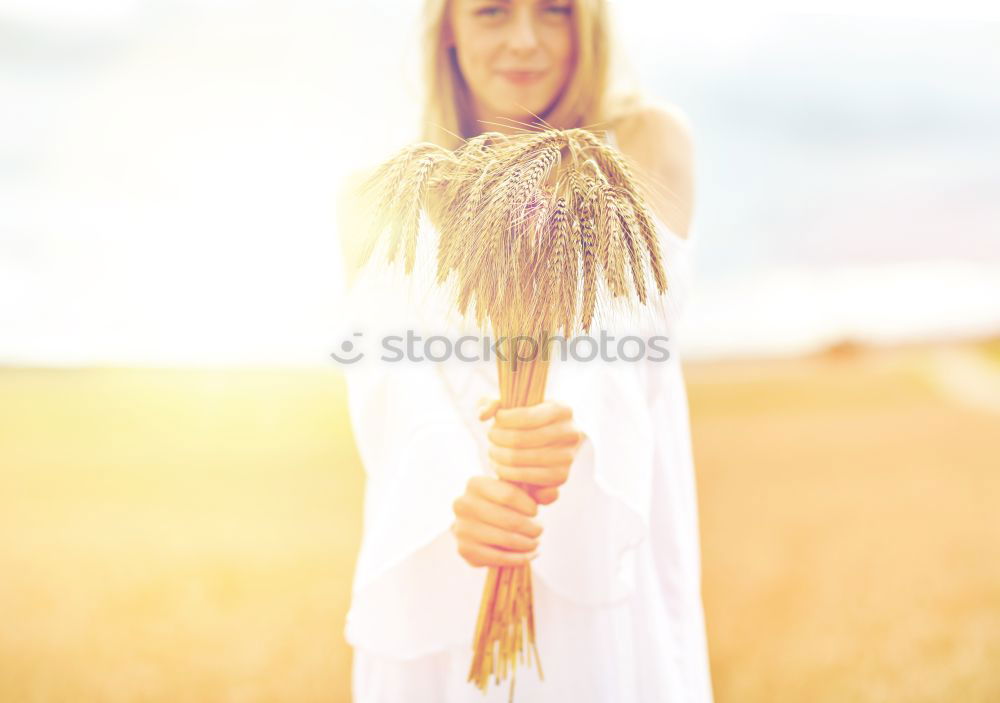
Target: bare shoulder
[350,225]
[656,119]
[657,138]
[351,184]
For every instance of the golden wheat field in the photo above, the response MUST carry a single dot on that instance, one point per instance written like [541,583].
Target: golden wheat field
[189,535]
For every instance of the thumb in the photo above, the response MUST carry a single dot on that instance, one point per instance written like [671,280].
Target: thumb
[488,407]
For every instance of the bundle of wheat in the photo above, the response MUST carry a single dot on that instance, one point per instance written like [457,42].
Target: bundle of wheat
[537,231]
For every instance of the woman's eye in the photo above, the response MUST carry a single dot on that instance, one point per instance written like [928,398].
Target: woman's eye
[559,9]
[494,11]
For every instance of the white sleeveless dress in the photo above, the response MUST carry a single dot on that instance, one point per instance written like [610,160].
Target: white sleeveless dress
[617,587]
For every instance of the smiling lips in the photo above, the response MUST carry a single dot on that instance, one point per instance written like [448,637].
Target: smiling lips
[522,77]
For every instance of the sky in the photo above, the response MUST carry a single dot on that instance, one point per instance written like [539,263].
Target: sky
[168,170]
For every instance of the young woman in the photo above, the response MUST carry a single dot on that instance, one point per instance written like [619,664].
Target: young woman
[604,506]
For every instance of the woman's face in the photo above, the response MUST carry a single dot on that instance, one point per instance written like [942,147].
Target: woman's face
[515,55]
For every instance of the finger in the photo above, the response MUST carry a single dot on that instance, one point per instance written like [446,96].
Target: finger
[532,416]
[488,407]
[481,510]
[554,434]
[473,531]
[541,456]
[533,475]
[483,555]
[545,495]
[504,493]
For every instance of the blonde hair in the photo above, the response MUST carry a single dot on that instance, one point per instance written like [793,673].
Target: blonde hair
[586,100]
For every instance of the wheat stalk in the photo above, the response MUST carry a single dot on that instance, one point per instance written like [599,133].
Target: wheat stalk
[530,225]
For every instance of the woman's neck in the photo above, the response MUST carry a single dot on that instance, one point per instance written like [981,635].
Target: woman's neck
[487,122]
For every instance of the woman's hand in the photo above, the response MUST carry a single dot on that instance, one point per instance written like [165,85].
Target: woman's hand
[531,450]
[493,523]
[533,446]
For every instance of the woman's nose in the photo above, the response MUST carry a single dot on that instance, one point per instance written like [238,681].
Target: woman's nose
[523,37]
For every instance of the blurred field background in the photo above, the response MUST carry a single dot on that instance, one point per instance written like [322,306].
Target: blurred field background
[190,534]
[180,499]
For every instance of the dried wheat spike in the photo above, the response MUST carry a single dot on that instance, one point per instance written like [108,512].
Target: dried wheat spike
[632,242]
[535,225]
[582,226]
[394,193]
[562,267]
